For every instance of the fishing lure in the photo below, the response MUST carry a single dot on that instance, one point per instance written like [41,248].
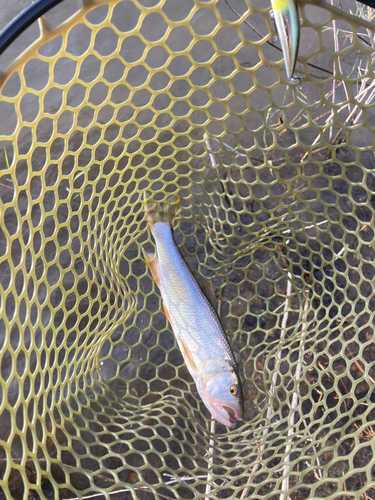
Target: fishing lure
[285,13]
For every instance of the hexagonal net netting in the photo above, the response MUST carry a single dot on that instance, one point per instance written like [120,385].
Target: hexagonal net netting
[113,99]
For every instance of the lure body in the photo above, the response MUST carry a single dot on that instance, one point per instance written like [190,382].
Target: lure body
[285,13]
[195,324]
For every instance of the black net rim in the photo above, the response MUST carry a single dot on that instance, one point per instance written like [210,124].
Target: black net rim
[23,20]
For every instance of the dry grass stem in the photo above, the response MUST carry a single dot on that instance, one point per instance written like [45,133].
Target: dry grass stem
[211,450]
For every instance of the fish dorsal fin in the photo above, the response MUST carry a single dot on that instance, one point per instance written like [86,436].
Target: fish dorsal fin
[208,290]
[153,264]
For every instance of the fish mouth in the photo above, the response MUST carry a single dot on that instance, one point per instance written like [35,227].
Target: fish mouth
[234,414]
[227,415]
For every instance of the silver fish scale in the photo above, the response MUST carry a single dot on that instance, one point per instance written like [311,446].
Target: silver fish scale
[193,318]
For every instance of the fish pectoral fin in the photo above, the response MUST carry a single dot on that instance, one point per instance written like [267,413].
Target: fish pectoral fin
[188,358]
[153,264]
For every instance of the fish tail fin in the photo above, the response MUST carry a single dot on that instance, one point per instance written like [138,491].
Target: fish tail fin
[161,212]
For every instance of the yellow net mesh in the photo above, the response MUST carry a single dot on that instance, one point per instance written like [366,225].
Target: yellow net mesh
[278,182]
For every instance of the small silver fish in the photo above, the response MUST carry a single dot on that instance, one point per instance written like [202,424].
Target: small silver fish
[195,324]
[285,13]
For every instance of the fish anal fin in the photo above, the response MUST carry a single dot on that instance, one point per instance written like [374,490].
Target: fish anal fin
[187,357]
[167,314]
[153,264]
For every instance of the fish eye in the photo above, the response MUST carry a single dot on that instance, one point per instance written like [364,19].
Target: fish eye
[233,389]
